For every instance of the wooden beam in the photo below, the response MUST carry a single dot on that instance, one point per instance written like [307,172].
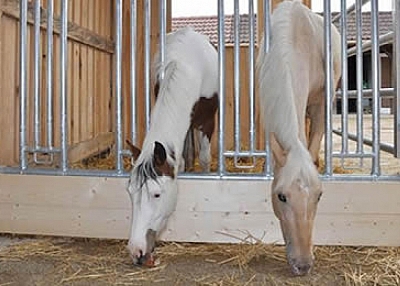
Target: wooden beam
[90,147]
[350,213]
[75,32]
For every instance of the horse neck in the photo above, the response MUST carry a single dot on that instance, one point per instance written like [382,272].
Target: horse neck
[170,123]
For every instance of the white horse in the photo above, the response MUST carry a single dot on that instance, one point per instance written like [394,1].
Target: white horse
[187,98]
[291,84]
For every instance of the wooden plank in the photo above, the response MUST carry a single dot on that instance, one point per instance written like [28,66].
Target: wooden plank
[9,116]
[351,213]
[75,32]
[90,147]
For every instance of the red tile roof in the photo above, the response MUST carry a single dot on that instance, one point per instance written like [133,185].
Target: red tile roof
[208,25]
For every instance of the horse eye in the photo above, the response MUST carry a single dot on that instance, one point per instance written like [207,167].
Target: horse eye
[282,197]
[156,195]
[319,197]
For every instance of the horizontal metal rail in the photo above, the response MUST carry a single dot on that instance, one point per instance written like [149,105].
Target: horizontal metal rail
[383,40]
[367,93]
[383,146]
[211,176]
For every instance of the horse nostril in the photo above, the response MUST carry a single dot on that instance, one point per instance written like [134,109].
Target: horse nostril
[301,269]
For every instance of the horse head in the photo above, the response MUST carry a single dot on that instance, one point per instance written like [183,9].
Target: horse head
[296,191]
[153,191]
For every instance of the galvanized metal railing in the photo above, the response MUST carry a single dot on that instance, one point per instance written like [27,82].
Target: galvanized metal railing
[237,151]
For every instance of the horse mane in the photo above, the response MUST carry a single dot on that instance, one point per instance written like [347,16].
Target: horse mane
[276,91]
[275,79]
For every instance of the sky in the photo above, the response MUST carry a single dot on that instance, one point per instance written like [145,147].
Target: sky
[182,8]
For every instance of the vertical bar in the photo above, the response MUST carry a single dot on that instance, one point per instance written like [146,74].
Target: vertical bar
[36,75]
[345,99]
[328,86]
[133,69]
[49,69]
[396,75]
[63,84]
[147,29]
[118,91]
[359,80]
[375,64]
[23,83]
[251,75]
[267,43]
[236,78]
[221,87]
[163,31]
[267,25]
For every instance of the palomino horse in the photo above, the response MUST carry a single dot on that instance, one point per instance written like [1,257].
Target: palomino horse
[291,83]
[187,98]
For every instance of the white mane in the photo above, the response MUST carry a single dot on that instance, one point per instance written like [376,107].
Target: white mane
[276,87]
[189,73]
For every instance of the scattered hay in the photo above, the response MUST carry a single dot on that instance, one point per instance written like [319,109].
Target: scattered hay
[106,262]
[242,166]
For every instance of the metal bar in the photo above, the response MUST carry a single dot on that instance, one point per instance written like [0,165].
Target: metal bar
[396,75]
[221,88]
[345,109]
[375,65]
[381,40]
[49,69]
[163,31]
[36,74]
[383,146]
[190,176]
[236,78]
[367,93]
[359,77]
[351,9]
[147,39]
[43,150]
[118,85]
[267,25]
[23,83]
[63,85]
[244,154]
[328,86]
[267,43]
[133,51]
[252,131]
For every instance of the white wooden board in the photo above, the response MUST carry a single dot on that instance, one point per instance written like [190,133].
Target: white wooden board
[350,213]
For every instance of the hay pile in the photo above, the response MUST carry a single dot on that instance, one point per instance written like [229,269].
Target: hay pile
[106,262]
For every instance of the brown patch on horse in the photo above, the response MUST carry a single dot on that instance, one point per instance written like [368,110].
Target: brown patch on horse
[160,162]
[203,114]
[134,150]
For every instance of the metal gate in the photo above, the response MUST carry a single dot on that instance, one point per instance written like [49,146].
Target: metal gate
[44,111]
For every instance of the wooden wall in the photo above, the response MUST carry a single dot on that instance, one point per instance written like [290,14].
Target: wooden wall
[89,85]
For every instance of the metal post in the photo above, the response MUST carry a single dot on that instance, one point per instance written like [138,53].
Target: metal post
[359,68]
[63,85]
[375,64]
[236,80]
[23,83]
[328,87]
[267,42]
[147,29]
[251,76]
[163,31]
[133,69]
[396,75]
[36,76]
[345,109]
[49,69]
[221,88]
[118,85]
[267,25]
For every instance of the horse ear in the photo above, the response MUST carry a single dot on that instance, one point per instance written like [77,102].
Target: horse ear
[135,150]
[160,155]
[277,150]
